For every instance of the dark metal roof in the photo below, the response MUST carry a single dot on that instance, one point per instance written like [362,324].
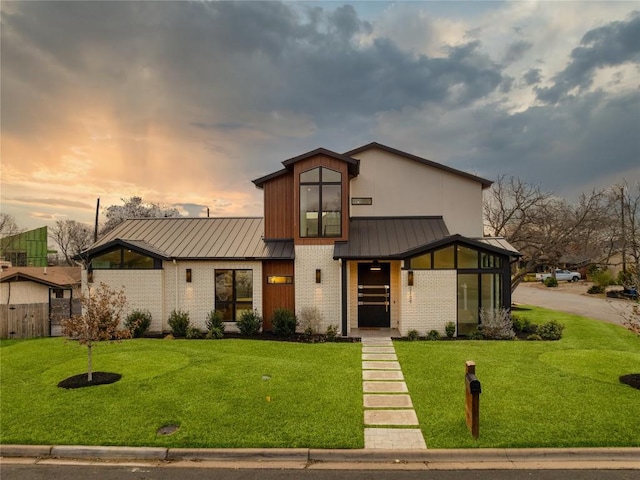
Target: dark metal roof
[485,183]
[196,239]
[384,237]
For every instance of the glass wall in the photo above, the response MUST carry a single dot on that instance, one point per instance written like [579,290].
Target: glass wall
[124,259]
[321,203]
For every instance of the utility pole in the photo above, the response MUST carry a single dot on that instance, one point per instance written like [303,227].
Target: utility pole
[95,230]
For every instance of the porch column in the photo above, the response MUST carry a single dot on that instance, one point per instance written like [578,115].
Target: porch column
[345,296]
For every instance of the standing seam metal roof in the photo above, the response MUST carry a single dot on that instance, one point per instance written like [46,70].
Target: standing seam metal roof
[198,238]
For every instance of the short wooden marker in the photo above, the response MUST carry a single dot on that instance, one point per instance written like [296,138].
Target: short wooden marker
[472,399]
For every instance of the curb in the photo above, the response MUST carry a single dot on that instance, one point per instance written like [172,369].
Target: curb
[629,455]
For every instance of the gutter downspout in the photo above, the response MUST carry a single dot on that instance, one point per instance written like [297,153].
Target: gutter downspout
[175,307]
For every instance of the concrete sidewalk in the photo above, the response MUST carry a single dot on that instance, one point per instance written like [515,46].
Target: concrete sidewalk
[300,458]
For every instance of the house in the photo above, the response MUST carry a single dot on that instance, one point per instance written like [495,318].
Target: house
[26,249]
[33,300]
[373,238]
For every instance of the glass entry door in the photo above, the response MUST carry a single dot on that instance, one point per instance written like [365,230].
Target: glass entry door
[374,295]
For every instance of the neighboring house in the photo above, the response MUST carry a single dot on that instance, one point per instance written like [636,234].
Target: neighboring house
[373,238]
[33,300]
[26,249]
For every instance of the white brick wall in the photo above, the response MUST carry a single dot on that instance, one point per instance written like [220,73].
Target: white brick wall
[430,303]
[155,290]
[326,295]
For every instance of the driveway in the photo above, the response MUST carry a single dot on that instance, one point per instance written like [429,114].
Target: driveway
[573,298]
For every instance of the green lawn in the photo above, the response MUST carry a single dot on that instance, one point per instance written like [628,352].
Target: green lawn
[534,394]
[213,389]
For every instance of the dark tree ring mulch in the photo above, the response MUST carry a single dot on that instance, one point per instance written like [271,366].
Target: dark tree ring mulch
[632,379]
[98,378]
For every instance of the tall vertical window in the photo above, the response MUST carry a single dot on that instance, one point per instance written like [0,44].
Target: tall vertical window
[321,203]
[234,293]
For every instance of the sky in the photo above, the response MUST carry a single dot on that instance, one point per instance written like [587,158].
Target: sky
[184,103]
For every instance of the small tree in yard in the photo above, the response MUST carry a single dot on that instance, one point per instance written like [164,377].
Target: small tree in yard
[102,311]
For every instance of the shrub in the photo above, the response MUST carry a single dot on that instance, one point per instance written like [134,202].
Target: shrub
[332,333]
[284,322]
[496,324]
[603,278]
[179,322]
[310,320]
[551,330]
[433,335]
[534,336]
[413,335]
[550,282]
[529,326]
[215,324]
[518,323]
[193,332]
[249,323]
[138,322]
[450,329]
[595,289]
[476,335]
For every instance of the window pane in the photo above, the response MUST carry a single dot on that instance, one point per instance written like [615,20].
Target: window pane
[279,279]
[241,308]
[224,286]
[310,176]
[331,207]
[227,310]
[423,262]
[309,205]
[107,260]
[329,175]
[468,307]
[491,290]
[136,260]
[244,285]
[467,257]
[443,258]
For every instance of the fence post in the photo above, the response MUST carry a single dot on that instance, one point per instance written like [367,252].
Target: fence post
[472,399]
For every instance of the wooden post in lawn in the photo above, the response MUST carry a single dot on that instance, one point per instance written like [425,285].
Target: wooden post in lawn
[472,399]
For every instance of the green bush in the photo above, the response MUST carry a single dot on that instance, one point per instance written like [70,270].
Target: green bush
[450,329]
[249,323]
[179,322]
[332,333]
[310,320]
[550,282]
[603,278]
[413,335]
[595,289]
[551,330]
[518,323]
[433,335]
[284,323]
[476,335]
[193,332]
[215,324]
[138,322]
[534,336]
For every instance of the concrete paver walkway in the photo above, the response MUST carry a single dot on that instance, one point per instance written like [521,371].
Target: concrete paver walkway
[386,400]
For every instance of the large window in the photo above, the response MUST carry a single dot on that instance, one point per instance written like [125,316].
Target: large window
[124,258]
[321,203]
[234,293]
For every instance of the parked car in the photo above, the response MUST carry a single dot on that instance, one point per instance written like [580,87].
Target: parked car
[561,275]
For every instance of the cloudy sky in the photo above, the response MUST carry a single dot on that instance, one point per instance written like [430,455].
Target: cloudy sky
[185,102]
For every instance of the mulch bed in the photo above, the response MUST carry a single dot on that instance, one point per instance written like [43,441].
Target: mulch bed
[633,380]
[98,378]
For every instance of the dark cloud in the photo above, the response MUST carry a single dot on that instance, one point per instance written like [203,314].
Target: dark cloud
[516,50]
[616,43]
[532,76]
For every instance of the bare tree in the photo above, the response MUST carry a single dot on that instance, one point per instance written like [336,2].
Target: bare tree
[72,238]
[544,228]
[103,309]
[135,207]
[8,225]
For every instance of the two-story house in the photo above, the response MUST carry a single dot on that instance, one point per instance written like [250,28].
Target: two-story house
[374,238]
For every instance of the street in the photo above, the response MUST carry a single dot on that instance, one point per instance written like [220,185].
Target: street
[106,472]
[572,298]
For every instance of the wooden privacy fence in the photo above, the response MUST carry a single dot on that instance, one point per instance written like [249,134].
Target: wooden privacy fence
[24,321]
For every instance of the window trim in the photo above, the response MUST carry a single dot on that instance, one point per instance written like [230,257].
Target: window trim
[320,184]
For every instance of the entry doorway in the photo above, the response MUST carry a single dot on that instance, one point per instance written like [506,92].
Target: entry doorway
[374,295]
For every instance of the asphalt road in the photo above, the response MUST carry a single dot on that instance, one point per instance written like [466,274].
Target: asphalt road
[572,298]
[100,472]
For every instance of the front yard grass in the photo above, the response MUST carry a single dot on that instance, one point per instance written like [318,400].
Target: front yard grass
[214,390]
[563,393]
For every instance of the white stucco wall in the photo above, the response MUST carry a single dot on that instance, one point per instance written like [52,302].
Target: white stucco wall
[23,292]
[430,303]
[326,295]
[404,187]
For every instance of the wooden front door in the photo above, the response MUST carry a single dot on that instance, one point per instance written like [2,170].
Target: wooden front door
[374,295]
[280,293]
